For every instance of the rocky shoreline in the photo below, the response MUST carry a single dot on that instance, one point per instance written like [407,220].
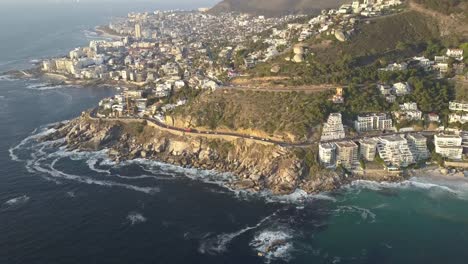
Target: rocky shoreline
[254,166]
[53,79]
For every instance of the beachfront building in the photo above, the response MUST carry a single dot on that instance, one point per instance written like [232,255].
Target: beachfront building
[418,146]
[347,154]
[368,148]
[371,122]
[333,129]
[449,146]
[395,152]
[327,154]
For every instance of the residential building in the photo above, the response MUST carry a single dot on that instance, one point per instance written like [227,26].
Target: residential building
[333,129]
[433,117]
[455,53]
[138,31]
[368,148]
[395,152]
[449,146]
[418,146]
[408,111]
[401,89]
[347,154]
[338,97]
[464,136]
[458,106]
[327,154]
[458,118]
[372,122]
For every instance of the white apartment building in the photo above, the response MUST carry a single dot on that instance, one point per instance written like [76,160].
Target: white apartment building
[333,129]
[449,146]
[327,154]
[347,154]
[368,148]
[372,122]
[401,88]
[458,118]
[408,111]
[458,106]
[418,146]
[394,150]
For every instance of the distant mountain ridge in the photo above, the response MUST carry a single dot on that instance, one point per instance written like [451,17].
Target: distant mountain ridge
[275,7]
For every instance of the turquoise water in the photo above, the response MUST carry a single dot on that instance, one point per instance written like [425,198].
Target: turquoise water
[62,207]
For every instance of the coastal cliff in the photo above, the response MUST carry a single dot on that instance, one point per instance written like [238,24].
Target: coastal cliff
[254,165]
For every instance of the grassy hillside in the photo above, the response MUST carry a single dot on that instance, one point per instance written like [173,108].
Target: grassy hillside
[274,7]
[384,39]
[290,116]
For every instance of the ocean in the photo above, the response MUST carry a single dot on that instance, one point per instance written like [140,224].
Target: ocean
[58,206]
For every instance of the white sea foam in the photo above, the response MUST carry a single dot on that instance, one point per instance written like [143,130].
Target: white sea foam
[273,244]
[457,188]
[7,78]
[20,200]
[46,86]
[219,243]
[27,140]
[87,180]
[136,218]
[297,197]
[92,165]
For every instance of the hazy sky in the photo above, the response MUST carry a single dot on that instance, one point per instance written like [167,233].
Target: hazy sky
[181,3]
[118,1]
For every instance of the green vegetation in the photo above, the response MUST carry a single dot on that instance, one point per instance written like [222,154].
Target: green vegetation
[274,7]
[385,40]
[275,113]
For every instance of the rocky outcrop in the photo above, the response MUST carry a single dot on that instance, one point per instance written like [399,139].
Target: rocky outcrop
[254,165]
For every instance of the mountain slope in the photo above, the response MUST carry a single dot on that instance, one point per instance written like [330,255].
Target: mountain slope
[274,7]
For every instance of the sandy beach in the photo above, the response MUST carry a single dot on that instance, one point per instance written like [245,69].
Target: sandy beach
[101,30]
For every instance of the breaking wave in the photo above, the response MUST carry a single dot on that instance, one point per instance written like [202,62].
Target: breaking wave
[46,86]
[273,244]
[219,243]
[365,214]
[455,187]
[136,218]
[43,157]
[7,78]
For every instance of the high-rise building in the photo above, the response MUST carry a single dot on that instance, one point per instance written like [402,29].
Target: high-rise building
[418,146]
[333,129]
[347,154]
[368,148]
[449,146]
[327,154]
[395,152]
[138,31]
[372,122]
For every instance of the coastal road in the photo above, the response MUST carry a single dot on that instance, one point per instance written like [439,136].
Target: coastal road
[93,114]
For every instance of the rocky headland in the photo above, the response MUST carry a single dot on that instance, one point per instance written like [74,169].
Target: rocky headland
[254,165]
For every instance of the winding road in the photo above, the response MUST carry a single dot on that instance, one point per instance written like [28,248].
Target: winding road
[93,114]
